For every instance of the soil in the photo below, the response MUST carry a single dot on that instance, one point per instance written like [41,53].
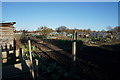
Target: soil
[94,61]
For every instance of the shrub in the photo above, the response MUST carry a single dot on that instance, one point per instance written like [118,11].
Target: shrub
[40,36]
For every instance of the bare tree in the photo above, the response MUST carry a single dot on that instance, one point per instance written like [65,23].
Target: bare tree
[109,28]
[45,30]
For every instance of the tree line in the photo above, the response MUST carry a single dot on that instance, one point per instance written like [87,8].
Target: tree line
[46,30]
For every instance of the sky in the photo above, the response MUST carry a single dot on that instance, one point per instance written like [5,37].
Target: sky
[80,15]
[60,0]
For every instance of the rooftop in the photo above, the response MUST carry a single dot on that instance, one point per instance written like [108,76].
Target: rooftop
[7,24]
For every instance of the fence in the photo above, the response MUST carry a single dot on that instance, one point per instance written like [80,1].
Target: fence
[9,52]
[12,58]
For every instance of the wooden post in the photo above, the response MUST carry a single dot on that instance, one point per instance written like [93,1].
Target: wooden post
[10,46]
[23,54]
[21,57]
[1,62]
[1,48]
[14,47]
[31,61]
[36,67]
[14,50]
[7,52]
[20,52]
[5,47]
[74,45]
[73,64]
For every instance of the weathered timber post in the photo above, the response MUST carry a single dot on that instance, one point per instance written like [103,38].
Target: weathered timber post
[31,61]
[3,54]
[14,49]
[1,48]
[74,45]
[20,56]
[5,47]
[73,64]
[10,46]
[1,62]
[23,54]
[7,53]
[36,63]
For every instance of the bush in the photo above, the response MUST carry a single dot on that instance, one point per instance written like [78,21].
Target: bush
[40,36]
[53,71]
[26,51]
[101,39]
[80,42]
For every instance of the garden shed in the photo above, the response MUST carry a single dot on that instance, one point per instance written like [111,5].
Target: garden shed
[7,33]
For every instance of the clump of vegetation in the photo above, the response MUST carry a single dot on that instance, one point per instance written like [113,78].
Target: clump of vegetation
[26,51]
[40,36]
[49,70]
[53,71]
[79,42]
[101,39]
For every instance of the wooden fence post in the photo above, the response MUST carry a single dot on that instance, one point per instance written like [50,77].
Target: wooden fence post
[74,45]
[14,50]
[31,61]
[5,47]
[21,56]
[1,48]
[7,53]
[20,51]
[1,62]
[73,65]
[14,47]
[10,46]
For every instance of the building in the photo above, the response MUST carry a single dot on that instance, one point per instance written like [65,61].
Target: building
[6,33]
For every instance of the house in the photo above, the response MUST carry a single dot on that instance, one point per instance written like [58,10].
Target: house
[6,33]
